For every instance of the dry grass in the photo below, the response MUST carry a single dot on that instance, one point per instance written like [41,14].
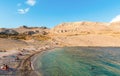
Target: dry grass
[25,37]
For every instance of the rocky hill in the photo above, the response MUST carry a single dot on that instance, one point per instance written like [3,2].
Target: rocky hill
[69,34]
[82,28]
[18,37]
[87,34]
[25,30]
[25,33]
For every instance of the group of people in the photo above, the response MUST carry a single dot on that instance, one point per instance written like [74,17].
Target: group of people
[4,67]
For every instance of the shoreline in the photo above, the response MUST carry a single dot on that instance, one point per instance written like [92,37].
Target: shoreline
[23,66]
[33,59]
[27,64]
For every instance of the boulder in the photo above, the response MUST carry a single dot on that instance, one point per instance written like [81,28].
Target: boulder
[29,32]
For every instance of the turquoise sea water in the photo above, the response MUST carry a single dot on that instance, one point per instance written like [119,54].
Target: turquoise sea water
[79,61]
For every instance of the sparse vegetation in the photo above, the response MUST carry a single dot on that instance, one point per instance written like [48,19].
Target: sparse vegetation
[25,37]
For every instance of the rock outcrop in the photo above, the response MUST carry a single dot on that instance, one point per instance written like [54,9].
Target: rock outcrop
[32,30]
[8,32]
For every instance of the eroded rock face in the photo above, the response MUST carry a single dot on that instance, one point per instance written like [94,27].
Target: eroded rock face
[32,30]
[81,27]
[8,32]
[87,34]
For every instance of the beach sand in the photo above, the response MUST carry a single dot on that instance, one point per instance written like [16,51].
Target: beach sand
[21,66]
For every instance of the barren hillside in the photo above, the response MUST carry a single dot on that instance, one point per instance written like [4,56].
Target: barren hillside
[87,34]
[65,34]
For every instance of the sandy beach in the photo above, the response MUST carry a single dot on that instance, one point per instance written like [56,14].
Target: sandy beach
[21,66]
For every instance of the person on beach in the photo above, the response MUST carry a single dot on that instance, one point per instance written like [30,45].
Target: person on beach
[4,67]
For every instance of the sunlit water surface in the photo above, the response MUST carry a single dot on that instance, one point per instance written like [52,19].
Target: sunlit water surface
[79,61]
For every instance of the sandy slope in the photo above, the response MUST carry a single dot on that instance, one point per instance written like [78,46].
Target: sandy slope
[10,44]
[88,40]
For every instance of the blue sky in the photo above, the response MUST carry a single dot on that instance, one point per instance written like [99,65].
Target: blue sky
[15,13]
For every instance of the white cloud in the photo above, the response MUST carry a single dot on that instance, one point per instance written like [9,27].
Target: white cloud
[23,11]
[31,2]
[116,19]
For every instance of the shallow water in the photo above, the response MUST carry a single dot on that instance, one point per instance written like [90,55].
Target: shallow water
[79,61]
